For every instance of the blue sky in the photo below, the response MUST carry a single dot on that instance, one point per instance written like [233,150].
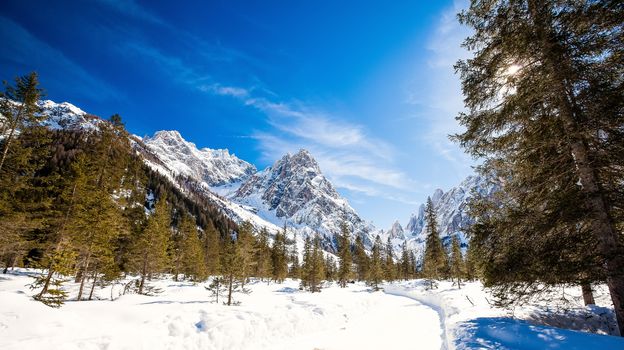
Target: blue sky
[366,86]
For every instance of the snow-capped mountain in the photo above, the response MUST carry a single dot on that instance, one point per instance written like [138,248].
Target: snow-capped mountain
[452,212]
[295,191]
[66,116]
[214,167]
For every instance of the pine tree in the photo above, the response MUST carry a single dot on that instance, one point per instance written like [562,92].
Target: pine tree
[18,106]
[405,266]
[61,266]
[192,259]
[375,275]
[457,261]
[233,267]
[150,250]
[361,259]
[313,267]
[279,256]
[263,256]
[389,265]
[317,270]
[295,268]
[435,259]
[344,255]
[543,96]
[212,245]
[246,250]
[331,272]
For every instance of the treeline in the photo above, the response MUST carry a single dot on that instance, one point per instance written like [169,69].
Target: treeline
[82,203]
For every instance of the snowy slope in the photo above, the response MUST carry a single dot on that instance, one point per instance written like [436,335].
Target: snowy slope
[66,116]
[451,208]
[214,167]
[295,190]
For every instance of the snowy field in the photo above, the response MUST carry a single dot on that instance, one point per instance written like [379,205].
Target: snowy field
[279,316]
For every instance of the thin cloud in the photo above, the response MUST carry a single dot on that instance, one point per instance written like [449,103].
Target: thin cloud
[441,97]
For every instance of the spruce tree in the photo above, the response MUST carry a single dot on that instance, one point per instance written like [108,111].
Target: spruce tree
[263,263]
[375,274]
[361,259]
[192,259]
[19,109]
[150,249]
[344,255]
[246,249]
[435,259]
[457,261]
[279,255]
[331,271]
[543,96]
[389,265]
[404,265]
[212,246]
[295,268]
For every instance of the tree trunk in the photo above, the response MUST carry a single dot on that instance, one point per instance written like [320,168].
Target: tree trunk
[94,276]
[230,283]
[83,277]
[46,284]
[588,296]
[9,138]
[143,274]
[601,223]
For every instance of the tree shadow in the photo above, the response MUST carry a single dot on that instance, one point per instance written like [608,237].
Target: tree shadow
[506,333]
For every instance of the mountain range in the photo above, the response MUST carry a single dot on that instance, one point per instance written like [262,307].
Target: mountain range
[293,192]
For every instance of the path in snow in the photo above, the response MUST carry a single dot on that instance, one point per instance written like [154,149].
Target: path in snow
[395,322]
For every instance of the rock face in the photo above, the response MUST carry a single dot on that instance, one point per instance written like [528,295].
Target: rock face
[294,190]
[452,211]
[214,167]
[66,116]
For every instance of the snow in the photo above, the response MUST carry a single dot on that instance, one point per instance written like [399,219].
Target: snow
[280,316]
[272,316]
[470,322]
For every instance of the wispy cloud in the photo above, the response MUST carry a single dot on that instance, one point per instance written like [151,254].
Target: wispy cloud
[351,157]
[441,97]
[21,46]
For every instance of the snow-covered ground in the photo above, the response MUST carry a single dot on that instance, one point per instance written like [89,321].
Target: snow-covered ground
[278,316]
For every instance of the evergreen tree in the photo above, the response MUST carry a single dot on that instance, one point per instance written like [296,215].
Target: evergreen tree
[246,250]
[404,265]
[61,265]
[279,255]
[19,109]
[295,268]
[435,259]
[313,267]
[543,95]
[361,259]
[457,261]
[375,275]
[233,266]
[331,271]
[150,249]
[212,246]
[263,255]
[389,266]
[192,259]
[344,255]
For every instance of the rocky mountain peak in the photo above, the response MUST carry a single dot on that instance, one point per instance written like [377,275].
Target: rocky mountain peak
[180,157]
